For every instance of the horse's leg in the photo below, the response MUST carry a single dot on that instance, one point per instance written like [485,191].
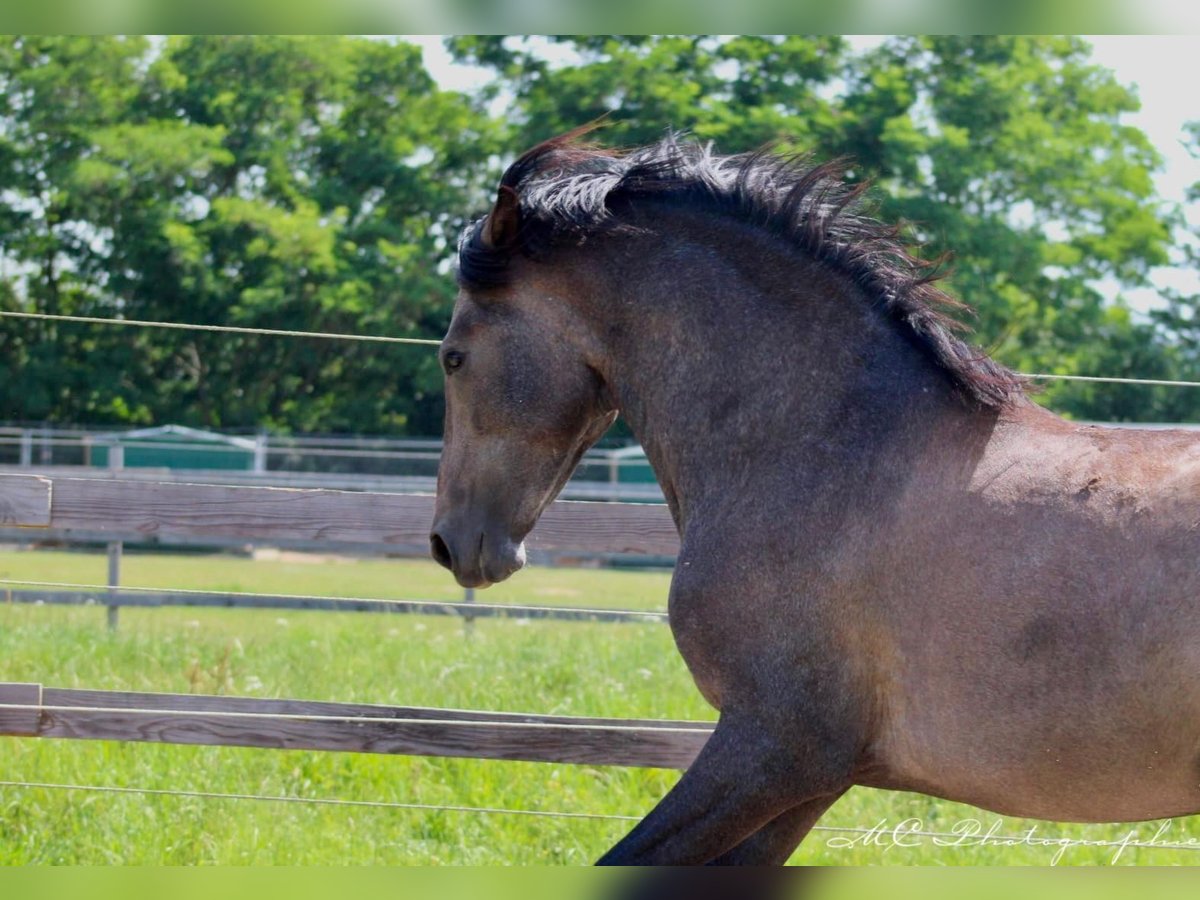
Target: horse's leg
[742,779]
[772,844]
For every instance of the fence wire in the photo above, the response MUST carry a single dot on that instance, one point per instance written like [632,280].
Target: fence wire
[109,591]
[383,339]
[1104,379]
[228,329]
[317,801]
[946,839]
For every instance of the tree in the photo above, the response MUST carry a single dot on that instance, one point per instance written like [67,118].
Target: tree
[1178,321]
[309,183]
[1007,151]
[56,93]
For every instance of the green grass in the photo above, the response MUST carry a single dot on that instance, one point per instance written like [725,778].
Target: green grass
[548,667]
[337,576]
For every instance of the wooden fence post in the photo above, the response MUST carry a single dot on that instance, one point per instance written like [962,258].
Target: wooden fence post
[260,454]
[116,462]
[468,617]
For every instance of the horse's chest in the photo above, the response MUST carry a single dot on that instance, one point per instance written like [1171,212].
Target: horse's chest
[737,642]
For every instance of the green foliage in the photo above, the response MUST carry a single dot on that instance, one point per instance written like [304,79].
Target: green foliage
[1011,155]
[1179,318]
[310,183]
[319,183]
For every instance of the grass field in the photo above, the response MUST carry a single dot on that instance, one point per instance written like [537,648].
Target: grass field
[548,667]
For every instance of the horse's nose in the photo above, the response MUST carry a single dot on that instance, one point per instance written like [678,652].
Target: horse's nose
[440,551]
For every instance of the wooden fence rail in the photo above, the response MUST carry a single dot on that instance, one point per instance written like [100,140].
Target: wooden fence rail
[126,509]
[31,710]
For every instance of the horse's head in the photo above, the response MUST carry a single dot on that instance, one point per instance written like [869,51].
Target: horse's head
[524,400]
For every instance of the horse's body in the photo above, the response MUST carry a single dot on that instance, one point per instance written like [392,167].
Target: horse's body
[895,570]
[1044,663]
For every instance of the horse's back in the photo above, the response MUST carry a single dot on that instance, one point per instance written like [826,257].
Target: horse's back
[1070,582]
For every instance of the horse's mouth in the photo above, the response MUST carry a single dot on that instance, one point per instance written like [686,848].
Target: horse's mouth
[499,561]
[486,563]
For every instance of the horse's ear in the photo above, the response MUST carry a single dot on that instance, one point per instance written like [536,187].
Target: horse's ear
[500,230]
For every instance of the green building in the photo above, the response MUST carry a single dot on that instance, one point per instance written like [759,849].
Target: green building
[175,447]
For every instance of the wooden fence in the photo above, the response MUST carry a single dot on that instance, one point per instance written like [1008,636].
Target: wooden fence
[130,510]
[127,510]
[31,710]
[116,510]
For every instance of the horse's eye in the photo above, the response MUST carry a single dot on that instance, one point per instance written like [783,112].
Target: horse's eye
[452,361]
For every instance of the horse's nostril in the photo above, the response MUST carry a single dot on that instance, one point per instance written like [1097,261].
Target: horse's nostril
[440,551]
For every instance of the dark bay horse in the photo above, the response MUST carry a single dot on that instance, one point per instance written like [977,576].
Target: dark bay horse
[895,569]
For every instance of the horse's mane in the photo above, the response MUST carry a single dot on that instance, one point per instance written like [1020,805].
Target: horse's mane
[569,191]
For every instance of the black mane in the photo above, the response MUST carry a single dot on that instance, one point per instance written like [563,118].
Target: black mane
[569,191]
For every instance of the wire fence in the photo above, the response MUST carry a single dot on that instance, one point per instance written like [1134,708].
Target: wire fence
[111,595]
[319,801]
[1105,379]
[325,335]
[227,329]
[882,836]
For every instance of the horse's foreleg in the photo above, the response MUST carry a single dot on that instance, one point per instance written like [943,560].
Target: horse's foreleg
[772,844]
[743,779]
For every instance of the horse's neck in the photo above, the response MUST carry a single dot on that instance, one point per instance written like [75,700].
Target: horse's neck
[732,369]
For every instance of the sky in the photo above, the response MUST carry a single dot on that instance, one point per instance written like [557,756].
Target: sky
[1164,69]
[1161,67]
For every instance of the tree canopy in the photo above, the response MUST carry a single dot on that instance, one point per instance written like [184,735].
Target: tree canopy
[319,183]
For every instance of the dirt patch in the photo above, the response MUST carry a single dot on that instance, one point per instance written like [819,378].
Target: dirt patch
[270,554]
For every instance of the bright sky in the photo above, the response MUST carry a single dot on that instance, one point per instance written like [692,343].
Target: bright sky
[1163,68]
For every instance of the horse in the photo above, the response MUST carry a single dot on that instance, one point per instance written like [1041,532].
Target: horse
[895,569]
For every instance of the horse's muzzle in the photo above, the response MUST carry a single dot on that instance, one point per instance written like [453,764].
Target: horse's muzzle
[476,557]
